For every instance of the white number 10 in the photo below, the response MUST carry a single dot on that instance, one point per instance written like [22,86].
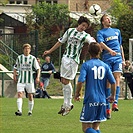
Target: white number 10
[98,72]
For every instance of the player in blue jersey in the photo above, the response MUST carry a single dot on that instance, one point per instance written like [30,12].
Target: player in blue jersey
[110,41]
[95,74]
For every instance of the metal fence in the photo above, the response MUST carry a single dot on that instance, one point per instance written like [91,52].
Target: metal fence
[11,45]
[125,86]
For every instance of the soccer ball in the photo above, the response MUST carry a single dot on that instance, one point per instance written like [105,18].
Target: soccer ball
[95,9]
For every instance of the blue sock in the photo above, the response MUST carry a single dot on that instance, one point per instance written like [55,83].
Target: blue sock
[117,94]
[98,131]
[108,91]
[90,130]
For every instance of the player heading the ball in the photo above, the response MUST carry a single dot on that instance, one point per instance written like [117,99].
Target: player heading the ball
[75,39]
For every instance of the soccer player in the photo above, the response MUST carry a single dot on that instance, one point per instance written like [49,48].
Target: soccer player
[110,41]
[25,64]
[75,38]
[95,74]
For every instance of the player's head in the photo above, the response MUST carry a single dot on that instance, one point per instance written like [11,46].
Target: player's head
[26,49]
[83,24]
[38,60]
[105,21]
[127,63]
[47,59]
[94,50]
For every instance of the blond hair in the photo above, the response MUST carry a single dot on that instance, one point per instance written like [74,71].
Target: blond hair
[26,45]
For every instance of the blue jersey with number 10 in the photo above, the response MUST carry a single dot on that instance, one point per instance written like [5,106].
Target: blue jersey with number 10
[95,74]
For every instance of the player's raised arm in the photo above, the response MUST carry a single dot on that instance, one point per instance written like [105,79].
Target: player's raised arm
[105,47]
[52,49]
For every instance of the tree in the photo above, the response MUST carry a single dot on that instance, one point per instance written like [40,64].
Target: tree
[45,16]
[121,11]
[125,24]
[50,21]
[118,8]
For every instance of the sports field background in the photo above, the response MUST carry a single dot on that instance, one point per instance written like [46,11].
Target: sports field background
[46,120]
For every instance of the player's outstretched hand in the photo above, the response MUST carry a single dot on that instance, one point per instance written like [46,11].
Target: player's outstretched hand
[111,99]
[77,97]
[46,52]
[113,53]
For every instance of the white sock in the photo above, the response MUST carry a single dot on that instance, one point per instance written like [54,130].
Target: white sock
[19,104]
[65,97]
[31,105]
[68,95]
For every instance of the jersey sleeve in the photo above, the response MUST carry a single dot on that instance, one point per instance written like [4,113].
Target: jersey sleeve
[100,37]
[64,38]
[89,39]
[83,73]
[36,64]
[110,76]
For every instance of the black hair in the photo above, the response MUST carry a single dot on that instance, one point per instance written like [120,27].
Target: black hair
[94,49]
[83,19]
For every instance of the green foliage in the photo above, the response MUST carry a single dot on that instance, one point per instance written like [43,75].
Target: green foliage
[45,16]
[1,20]
[125,24]
[50,20]
[121,12]
[49,15]
[118,8]
[4,60]
[3,2]
[130,3]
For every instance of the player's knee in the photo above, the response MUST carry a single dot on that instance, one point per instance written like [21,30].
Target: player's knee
[30,96]
[65,81]
[20,94]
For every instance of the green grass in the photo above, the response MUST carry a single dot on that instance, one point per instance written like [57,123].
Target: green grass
[46,120]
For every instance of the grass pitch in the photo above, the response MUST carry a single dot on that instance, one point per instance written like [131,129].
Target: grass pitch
[46,120]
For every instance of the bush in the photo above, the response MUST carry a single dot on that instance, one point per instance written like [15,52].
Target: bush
[5,61]
[125,24]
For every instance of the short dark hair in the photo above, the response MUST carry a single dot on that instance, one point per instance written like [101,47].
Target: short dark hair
[83,19]
[94,49]
[101,20]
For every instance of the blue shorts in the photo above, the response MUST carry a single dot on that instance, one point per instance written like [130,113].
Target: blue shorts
[93,112]
[115,63]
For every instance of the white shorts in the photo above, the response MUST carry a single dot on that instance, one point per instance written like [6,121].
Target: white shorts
[28,86]
[69,68]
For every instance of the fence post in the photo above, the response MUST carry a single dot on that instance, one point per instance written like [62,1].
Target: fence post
[36,43]
[3,84]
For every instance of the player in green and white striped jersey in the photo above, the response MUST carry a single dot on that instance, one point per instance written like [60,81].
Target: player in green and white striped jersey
[75,39]
[26,64]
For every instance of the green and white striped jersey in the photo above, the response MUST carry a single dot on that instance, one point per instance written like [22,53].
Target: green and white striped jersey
[26,65]
[75,41]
